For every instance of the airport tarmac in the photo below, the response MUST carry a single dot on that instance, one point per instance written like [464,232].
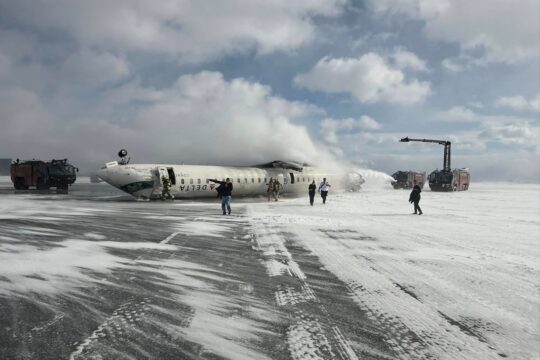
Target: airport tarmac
[95,274]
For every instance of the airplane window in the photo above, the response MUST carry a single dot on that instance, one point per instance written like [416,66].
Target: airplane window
[265,181]
[304,179]
[245,180]
[191,181]
[259,179]
[182,181]
[207,181]
[252,180]
[198,181]
[238,180]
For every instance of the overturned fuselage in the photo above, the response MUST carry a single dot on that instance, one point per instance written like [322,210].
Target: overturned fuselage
[193,181]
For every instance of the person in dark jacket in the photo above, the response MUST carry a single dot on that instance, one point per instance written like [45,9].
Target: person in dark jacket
[270,188]
[224,190]
[311,191]
[415,198]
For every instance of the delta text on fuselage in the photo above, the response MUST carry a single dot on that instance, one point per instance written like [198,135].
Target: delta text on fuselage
[193,181]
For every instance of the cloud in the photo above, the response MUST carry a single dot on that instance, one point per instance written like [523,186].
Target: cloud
[504,31]
[495,129]
[462,114]
[369,123]
[452,65]
[407,60]
[190,30]
[330,129]
[512,134]
[27,63]
[458,114]
[519,103]
[201,118]
[368,78]
[90,68]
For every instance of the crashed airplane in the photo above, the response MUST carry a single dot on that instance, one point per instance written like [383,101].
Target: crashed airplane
[145,181]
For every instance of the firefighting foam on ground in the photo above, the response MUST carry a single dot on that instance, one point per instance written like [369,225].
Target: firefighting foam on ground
[97,274]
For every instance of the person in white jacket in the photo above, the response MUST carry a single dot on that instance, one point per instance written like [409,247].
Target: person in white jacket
[323,189]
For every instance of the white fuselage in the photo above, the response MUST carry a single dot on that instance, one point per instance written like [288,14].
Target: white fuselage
[192,181]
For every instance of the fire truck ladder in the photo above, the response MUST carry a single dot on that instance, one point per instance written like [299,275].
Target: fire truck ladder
[447,145]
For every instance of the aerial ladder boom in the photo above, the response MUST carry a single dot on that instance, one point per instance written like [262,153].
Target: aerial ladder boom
[447,145]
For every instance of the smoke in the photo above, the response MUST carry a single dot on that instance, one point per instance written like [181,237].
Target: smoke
[201,119]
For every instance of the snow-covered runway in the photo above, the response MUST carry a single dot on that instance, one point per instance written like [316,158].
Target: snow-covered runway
[460,281]
[94,275]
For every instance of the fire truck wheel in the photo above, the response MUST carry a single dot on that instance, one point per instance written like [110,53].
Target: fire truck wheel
[62,188]
[41,184]
[18,184]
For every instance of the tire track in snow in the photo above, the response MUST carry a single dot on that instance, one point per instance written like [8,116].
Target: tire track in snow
[116,326]
[126,316]
[308,337]
[415,330]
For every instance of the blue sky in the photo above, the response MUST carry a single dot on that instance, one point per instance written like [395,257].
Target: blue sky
[252,81]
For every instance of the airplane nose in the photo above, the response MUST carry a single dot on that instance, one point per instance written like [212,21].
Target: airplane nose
[104,174]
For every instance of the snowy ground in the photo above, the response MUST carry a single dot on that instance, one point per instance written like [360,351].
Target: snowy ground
[95,275]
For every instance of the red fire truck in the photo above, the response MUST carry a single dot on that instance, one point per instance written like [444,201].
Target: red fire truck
[43,174]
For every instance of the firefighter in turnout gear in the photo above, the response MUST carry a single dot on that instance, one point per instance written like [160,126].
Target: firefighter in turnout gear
[276,189]
[166,191]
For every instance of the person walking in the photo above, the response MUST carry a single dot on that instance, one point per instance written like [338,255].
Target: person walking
[270,188]
[415,198]
[224,190]
[311,191]
[166,188]
[276,189]
[324,187]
